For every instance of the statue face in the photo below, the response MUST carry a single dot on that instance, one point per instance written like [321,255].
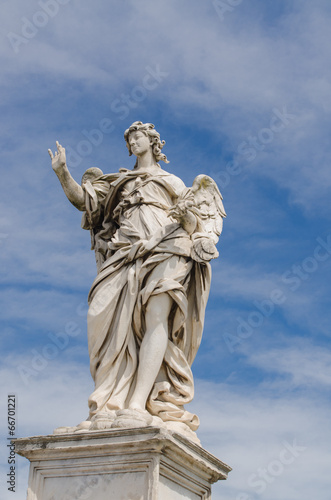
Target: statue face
[139,143]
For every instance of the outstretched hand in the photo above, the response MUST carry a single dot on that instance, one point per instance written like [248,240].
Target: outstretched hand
[59,157]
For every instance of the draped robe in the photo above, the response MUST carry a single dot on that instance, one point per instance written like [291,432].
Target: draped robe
[142,252]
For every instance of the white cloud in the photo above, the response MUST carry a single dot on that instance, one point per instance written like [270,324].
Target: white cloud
[224,79]
[302,363]
[56,396]
[237,75]
[248,429]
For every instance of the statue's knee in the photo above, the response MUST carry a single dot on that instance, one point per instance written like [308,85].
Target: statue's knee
[154,313]
[158,307]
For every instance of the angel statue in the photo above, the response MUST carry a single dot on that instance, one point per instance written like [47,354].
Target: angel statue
[153,239]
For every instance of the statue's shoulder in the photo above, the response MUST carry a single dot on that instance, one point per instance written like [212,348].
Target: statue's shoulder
[95,175]
[174,181]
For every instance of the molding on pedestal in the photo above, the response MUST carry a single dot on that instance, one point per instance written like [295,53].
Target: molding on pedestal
[149,463]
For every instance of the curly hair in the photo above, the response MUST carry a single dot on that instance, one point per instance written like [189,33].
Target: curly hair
[149,130]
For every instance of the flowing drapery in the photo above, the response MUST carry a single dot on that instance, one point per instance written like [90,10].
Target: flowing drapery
[144,253]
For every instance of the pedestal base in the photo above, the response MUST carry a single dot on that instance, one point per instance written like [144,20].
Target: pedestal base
[120,464]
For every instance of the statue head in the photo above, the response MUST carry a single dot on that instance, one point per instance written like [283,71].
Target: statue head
[154,137]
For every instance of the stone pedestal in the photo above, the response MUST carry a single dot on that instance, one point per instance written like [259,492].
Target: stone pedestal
[121,464]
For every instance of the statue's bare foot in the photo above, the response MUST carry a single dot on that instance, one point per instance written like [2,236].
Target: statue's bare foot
[82,427]
[132,418]
[102,420]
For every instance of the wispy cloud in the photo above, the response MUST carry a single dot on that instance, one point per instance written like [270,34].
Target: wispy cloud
[301,364]
[249,431]
[224,81]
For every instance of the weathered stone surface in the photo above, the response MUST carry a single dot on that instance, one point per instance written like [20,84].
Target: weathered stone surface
[153,238]
[123,464]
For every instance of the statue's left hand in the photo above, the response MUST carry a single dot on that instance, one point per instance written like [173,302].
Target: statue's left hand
[183,212]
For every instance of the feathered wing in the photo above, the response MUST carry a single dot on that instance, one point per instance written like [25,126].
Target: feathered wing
[209,210]
[209,201]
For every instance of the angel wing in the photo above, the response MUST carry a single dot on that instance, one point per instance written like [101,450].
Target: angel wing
[201,207]
[209,202]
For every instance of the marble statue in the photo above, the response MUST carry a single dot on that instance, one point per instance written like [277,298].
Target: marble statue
[153,239]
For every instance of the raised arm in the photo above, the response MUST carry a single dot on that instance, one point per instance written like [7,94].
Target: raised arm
[72,189]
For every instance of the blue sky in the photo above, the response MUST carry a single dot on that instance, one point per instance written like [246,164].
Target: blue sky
[240,93]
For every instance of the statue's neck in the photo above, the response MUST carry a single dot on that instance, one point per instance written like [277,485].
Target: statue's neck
[146,162]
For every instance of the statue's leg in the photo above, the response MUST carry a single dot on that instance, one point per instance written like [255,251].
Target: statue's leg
[152,349]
